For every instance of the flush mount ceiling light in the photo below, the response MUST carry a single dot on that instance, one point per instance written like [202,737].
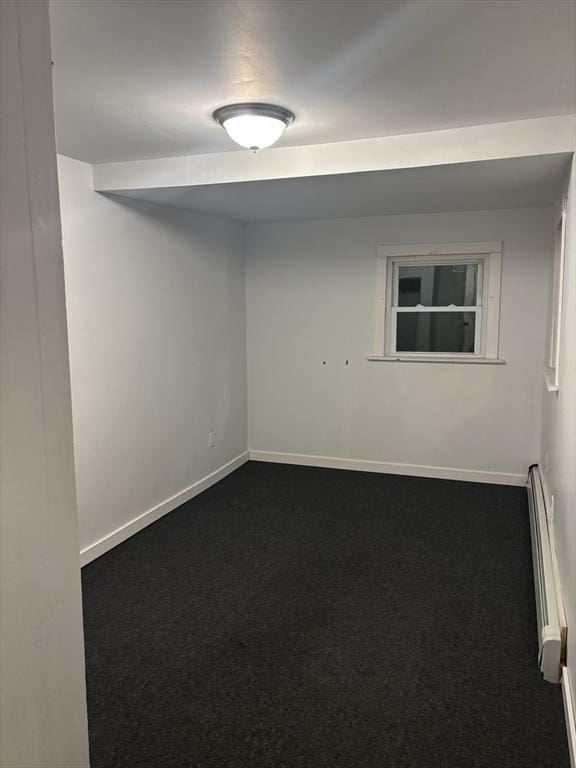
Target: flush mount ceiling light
[254,126]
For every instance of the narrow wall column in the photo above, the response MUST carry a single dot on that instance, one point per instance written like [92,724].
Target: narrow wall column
[42,694]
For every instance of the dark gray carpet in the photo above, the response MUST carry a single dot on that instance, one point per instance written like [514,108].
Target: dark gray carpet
[311,618]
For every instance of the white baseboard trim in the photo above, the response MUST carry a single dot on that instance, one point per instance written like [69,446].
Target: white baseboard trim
[414,470]
[570,712]
[92,551]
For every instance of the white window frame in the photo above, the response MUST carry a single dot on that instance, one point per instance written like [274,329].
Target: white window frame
[488,257]
[552,373]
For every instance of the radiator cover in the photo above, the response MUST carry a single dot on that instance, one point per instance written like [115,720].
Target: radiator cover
[550,630]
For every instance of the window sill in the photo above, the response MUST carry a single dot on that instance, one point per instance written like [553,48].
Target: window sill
[447,359]
[550,380]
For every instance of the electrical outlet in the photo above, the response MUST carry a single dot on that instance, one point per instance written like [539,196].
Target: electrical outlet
[211,438]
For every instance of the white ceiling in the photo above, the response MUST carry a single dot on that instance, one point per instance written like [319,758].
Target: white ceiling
[140,78]
[494,184]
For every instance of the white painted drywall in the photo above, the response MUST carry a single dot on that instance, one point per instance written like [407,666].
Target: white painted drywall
[518,182]
[558,448]
[473,143]
[42,691]
[311,297]
[140,79]
[156,319]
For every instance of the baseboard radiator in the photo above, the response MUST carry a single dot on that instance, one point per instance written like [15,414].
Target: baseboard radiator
[551,626]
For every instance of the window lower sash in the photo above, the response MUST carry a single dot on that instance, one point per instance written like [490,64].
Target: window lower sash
[396,311]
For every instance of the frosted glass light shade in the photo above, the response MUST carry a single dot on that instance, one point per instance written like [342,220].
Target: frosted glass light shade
[254,126]
[254,131]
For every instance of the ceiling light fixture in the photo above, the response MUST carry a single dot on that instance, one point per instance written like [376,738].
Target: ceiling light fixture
[254,126]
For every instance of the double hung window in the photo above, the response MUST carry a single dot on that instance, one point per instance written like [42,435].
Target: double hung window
[440,302]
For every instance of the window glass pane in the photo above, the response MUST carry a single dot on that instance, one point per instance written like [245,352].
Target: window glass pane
[438,285]
[435,331]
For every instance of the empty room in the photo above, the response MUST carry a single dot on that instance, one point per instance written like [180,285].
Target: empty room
[288,384]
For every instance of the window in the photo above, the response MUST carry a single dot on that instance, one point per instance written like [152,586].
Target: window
[555,323]
[439,302]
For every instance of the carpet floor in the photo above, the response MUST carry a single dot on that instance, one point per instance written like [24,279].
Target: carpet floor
[293,617]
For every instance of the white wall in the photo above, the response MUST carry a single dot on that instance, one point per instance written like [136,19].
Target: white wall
[42,691]
[559,440]
[467,144]
[311,296]
[156,317]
